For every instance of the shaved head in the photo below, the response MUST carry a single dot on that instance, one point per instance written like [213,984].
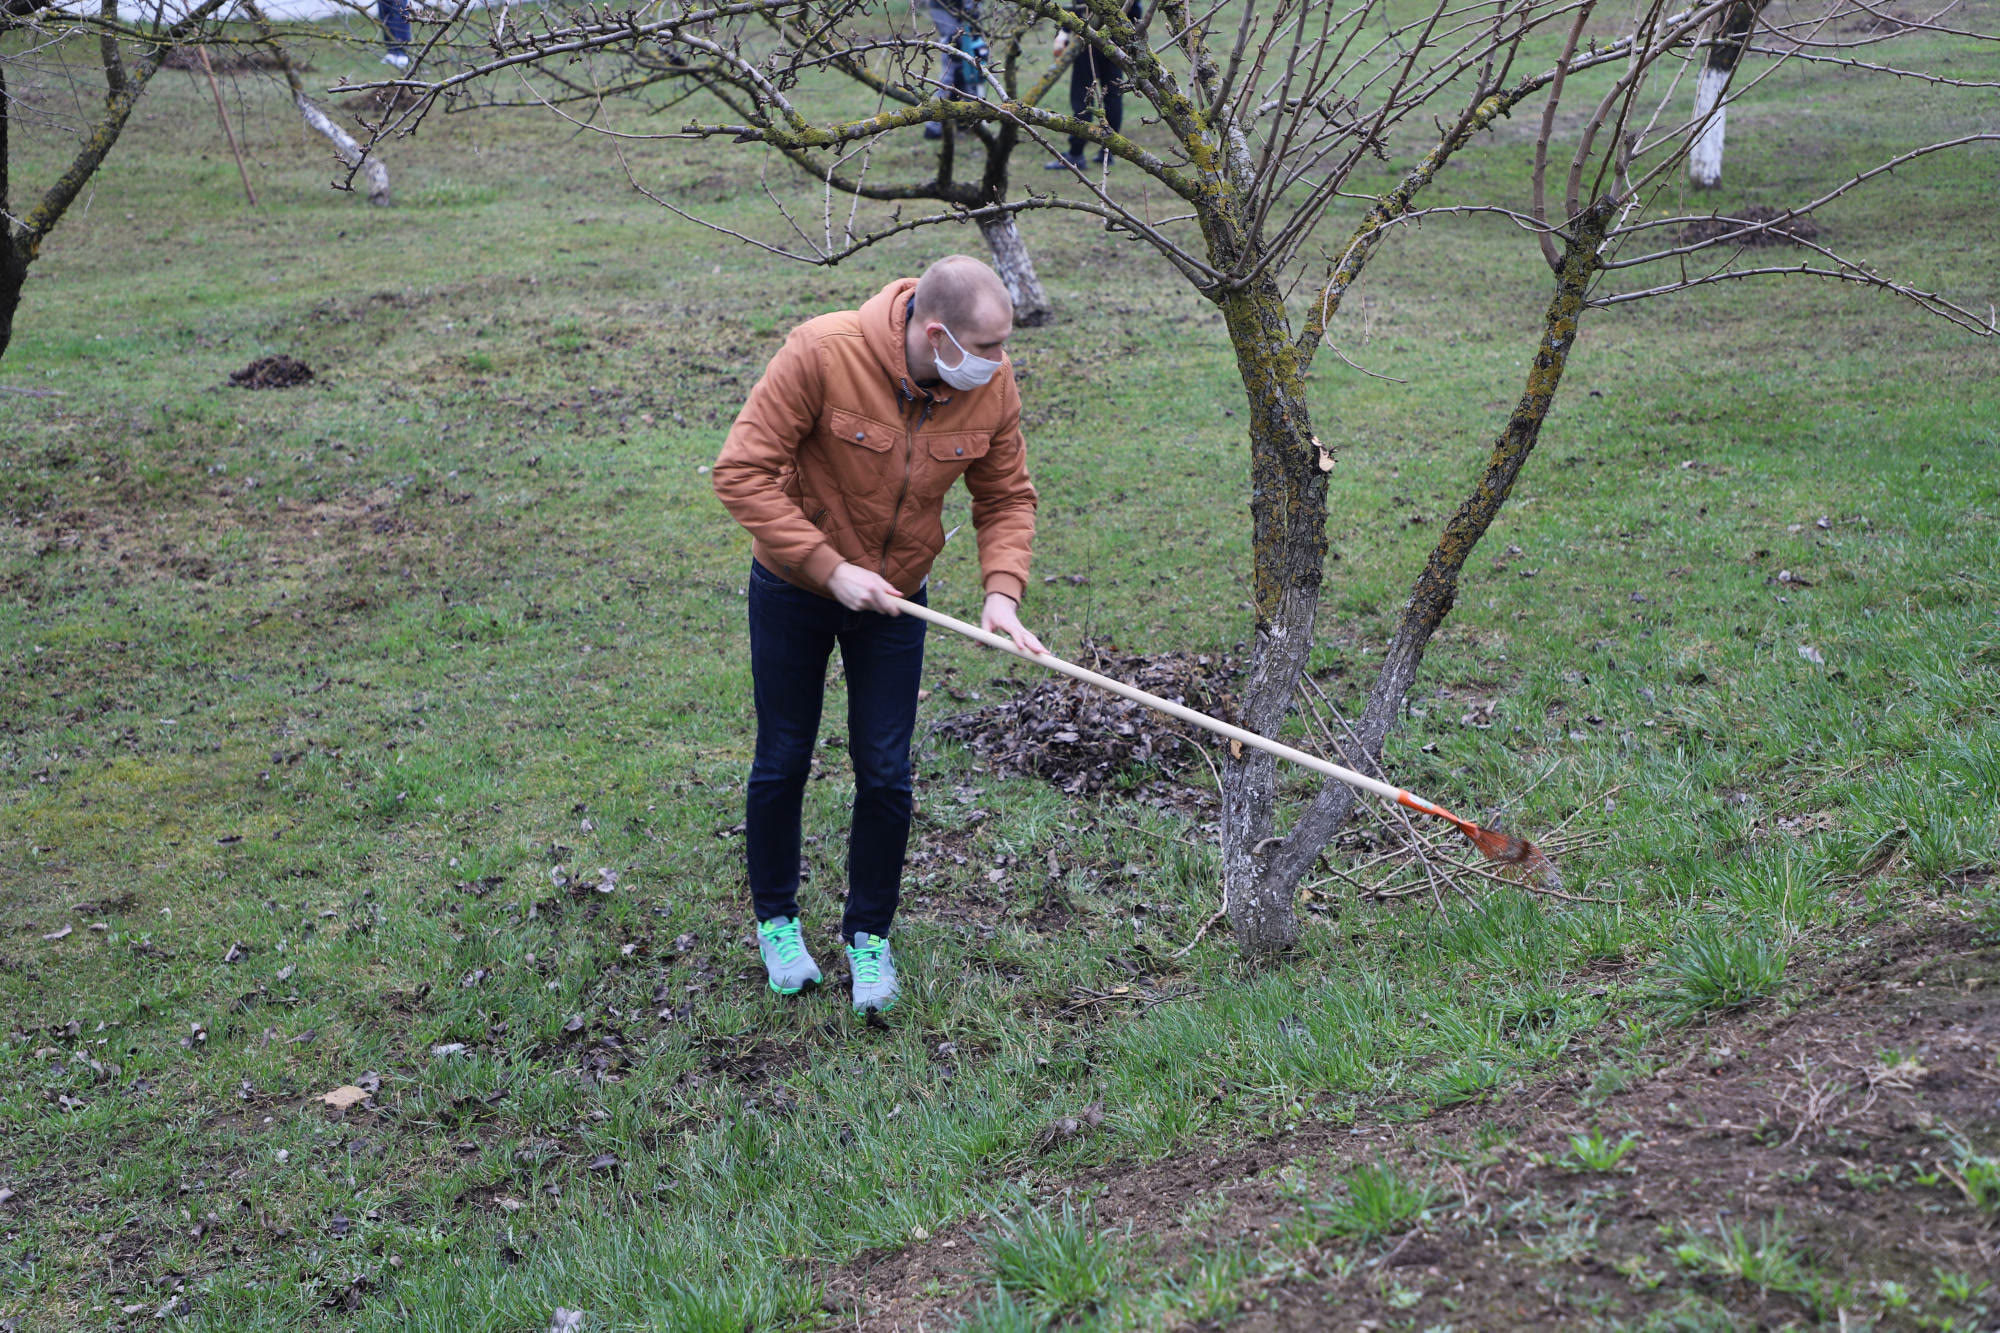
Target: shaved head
[960,307]
[958,289]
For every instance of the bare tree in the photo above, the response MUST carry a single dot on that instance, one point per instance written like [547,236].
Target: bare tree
[106,61]
[50,29]
[969,167]
[1257,123]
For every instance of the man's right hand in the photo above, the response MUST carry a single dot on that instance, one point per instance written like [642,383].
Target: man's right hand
[860,589]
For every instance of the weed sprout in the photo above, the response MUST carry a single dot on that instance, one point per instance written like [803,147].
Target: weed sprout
[1595,1152]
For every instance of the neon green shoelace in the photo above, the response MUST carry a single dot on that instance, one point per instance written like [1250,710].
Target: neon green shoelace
[867,963]
[785,941]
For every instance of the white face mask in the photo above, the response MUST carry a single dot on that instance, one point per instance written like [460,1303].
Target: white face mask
[970,372]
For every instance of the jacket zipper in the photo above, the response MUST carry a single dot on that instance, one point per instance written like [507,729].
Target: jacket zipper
[909,460]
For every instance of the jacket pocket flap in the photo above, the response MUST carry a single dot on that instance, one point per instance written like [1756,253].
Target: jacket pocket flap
[855,429]
[959,447]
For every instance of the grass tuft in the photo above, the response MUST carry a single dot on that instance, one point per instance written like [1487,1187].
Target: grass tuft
[1770,1260]
[1001,1313]
[1378,1201]
[1596,1152]
[1977,1177]
[1059,1262]
[1714,972]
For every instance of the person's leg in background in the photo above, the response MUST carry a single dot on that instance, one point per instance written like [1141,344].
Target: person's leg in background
[396,32]
[792,634]
[1111,83]
[1082,92]
[883,657]
[949,21]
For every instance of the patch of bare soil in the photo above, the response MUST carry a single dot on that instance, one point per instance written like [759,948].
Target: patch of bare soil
[272,372]
[1771,231]
[1083,738]
[1826,1139]
[317,535]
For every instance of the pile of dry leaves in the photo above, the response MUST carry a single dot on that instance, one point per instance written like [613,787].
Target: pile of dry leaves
[1082,738]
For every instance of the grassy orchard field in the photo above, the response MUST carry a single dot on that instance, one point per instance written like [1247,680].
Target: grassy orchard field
[305,696]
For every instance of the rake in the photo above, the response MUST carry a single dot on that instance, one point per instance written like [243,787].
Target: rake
[1501,848]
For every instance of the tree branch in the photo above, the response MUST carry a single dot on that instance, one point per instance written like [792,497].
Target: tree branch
[1437,587]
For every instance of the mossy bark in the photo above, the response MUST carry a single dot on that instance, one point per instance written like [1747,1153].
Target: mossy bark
[1011,261]
[13,268]
[1288,559]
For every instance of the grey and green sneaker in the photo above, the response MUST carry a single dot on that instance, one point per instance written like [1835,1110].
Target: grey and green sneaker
[874,968]
[786,958]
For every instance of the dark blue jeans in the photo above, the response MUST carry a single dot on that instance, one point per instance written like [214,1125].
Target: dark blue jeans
[792,634]
[395,23]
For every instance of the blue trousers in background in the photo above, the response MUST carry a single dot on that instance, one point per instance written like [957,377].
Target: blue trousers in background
[395,24]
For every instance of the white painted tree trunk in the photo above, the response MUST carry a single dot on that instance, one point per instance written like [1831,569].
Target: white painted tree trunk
[1711,118]
[350,151]
[1010,260]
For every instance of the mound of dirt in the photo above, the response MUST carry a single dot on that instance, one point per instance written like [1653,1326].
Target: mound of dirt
[1718,225]
[272,372]
[225,62]
[1082,738]
[382,101]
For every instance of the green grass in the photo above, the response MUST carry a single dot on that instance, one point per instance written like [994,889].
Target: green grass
[1767,1259]
[339,675]
[1374,1200]
[1715,971]
[1058,1262]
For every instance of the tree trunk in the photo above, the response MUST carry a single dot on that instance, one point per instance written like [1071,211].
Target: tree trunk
[23,229]
[13,277]
[1712,121]
[1012,262]
[343,143]
[1711,116]
[1437,587]
[1288,560]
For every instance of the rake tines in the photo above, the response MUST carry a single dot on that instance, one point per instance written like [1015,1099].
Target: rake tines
[1508,850]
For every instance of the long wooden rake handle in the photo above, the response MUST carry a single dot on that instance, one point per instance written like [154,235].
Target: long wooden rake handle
[1184,713]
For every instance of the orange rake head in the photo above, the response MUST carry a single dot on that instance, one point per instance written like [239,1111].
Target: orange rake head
[1507,850]
[1500,848]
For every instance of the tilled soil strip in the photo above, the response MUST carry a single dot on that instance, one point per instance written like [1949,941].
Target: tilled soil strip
[1821,1126]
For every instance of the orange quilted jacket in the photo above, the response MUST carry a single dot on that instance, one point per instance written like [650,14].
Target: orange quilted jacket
[838,455]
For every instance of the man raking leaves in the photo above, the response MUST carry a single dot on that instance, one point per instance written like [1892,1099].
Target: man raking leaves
[1503,848]
[838,465]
